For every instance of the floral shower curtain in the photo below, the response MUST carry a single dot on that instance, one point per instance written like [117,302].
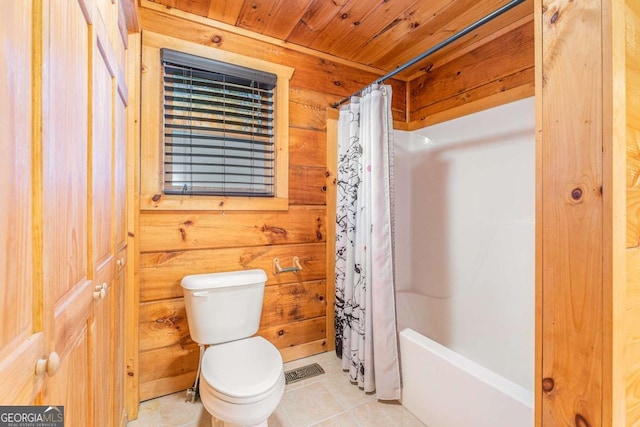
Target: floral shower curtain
[366,336]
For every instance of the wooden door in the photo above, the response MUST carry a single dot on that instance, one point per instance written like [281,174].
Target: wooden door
[108,209]
[59,178]
[21,336]
[67,286]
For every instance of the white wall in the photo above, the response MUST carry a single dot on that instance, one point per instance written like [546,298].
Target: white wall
[465,244]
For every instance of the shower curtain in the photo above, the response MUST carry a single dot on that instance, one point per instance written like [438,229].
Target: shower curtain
[366,336]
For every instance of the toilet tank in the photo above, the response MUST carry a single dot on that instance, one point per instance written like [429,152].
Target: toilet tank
[224,307]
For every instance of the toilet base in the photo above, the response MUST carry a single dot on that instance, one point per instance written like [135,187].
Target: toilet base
[219,423]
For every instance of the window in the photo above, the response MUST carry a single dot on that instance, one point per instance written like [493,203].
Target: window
[214,128]
[218,127]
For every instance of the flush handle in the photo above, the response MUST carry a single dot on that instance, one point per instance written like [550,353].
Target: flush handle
[200,294]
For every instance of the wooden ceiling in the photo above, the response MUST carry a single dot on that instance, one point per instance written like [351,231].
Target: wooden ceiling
[382,34]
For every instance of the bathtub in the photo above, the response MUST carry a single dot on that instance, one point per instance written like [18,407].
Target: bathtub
[465,268]
[444,389]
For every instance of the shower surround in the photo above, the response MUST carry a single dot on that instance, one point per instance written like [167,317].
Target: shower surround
[465,254]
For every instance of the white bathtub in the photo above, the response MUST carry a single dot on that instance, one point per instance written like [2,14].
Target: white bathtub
[444,389]
[464,263]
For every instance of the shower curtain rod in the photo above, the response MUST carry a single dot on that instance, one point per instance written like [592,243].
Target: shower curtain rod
[434,49]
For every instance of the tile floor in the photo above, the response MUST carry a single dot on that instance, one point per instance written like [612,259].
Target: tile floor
[325,400]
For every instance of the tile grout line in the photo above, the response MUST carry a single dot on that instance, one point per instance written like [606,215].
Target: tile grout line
[345,411]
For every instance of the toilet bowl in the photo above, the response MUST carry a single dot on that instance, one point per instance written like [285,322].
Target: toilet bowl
[242,382]
[242,377]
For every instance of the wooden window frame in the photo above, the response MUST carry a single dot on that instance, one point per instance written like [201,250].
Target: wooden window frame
[152,196]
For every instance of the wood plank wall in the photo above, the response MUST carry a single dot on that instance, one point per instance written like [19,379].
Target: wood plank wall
[484,75]
[631,371]
[176,243]
[588,227]
[570,217]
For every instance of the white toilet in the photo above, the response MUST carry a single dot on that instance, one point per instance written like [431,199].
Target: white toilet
[242,377]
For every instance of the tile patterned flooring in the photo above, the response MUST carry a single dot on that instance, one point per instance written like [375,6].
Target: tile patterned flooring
[325,400]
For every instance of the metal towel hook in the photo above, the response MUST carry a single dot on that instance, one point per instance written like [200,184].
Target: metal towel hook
[277,269]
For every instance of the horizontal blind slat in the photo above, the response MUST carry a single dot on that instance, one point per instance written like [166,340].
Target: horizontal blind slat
[179,78]
[218,102]
[173,163]
[221,91]
[174,118]
[235,114]
[222,129]
[206,95]
[218,129]
[217,143]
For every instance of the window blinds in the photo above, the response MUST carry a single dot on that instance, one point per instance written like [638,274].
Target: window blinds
[218,127]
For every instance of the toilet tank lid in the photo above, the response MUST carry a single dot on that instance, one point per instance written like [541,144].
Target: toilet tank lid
[218,280]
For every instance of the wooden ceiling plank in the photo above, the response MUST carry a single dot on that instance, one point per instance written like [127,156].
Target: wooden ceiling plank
[524,11]
[315,20]
[255,14]
[285,16]
[226,11]
[421,15]
[444,24]
[345,42]
[351,19]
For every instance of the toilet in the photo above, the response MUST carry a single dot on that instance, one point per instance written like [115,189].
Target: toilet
[241,375]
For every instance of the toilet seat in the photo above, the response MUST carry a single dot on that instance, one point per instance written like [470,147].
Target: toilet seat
[243,371]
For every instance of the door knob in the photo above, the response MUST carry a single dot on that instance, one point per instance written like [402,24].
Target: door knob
[100,291]
[49,365]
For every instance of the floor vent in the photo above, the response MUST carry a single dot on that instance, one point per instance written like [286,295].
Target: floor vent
[303,373]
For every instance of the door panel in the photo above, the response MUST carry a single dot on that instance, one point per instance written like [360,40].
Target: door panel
[102,148]
[120,169]
[65,131]
[70,385]
[20,342]
[15,171]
